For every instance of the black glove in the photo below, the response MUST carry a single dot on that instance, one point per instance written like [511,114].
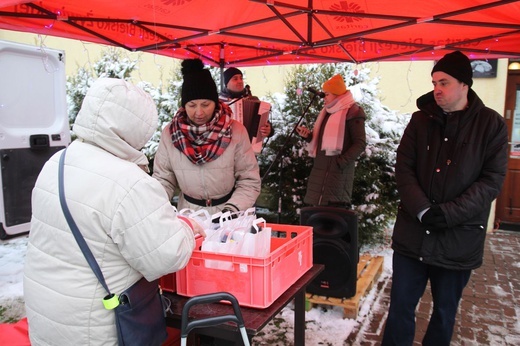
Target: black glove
[434,218]
[217,218]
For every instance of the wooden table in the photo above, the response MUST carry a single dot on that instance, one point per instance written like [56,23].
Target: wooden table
[254,319]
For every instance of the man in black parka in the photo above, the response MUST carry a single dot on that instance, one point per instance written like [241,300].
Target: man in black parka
[450,166]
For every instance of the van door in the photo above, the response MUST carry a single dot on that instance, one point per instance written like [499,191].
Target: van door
[33,125]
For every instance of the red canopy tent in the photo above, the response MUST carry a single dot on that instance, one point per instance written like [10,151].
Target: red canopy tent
[267,32]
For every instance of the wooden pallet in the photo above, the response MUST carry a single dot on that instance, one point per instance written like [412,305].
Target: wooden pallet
[369,269]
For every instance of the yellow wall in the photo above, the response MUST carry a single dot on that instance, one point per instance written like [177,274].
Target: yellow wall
[401,83]
[152,68]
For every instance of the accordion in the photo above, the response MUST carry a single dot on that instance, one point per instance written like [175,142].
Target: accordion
[253,114]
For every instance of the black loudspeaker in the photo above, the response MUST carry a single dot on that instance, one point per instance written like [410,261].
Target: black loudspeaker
[335,245]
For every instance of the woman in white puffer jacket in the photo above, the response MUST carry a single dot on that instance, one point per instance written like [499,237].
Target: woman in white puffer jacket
[123,213]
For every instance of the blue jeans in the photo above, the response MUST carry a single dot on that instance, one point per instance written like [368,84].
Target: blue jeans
[409,280]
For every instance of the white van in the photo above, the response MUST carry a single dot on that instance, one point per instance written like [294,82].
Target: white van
[33,126]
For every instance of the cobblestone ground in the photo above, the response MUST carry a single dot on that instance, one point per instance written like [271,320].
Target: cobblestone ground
[489,313]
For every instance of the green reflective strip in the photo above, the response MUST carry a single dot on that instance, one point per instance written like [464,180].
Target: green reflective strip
[111,302]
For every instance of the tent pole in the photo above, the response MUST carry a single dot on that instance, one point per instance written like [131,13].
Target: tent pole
[222,62]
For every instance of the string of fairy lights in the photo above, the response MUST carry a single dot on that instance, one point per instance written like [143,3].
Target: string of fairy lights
[164,68]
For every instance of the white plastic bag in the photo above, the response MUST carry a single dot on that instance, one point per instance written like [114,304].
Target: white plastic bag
[257,241]
[200,216]
[223,241]
[240,233]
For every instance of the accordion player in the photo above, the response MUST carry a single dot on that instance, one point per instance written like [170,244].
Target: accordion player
[254,114]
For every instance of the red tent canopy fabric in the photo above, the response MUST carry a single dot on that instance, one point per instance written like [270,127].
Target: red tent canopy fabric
[265,32]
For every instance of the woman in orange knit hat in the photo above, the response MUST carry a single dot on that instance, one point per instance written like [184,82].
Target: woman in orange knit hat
[335,143]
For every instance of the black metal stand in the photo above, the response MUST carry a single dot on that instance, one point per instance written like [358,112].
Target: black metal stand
[280,153]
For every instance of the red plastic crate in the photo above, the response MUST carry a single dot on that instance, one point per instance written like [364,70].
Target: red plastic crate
[255,282]
[167,282]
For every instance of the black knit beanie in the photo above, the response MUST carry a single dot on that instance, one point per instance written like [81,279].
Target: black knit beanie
[198,83]
[229,73]
[456,65]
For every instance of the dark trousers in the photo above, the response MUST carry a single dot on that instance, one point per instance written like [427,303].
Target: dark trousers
[409,280]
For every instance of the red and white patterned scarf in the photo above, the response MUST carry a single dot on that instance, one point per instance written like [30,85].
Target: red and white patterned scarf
[204,143]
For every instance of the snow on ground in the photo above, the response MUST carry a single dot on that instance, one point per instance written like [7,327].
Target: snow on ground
[12,258]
